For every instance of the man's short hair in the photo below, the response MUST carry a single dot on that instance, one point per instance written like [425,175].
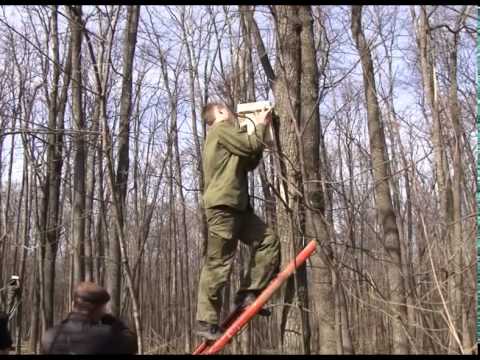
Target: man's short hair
[207,111]
[89,296]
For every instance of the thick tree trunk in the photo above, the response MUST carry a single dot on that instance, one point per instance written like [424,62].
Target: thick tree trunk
[108,268]
[90,191]
[287,92]
[79,175]
[458,244]
[119,184]
[35,309]
[49,217]
[382,190]
[123,146]
[446,248]
[315,225]
[25,244]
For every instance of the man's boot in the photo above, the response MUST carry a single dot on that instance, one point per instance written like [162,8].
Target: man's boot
[245,299]
[208,331]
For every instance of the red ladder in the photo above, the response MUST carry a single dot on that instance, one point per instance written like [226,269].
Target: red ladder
[238,319]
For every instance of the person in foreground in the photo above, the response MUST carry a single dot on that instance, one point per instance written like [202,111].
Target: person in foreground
[229,154]
[88,329]
[5,338]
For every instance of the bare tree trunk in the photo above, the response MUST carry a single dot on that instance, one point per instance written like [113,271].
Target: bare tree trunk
[286,84]
[443,182]
[123,145]
[119,185]
[79,175]
[458,242]
[314,196]
[16,327]
[196,138]
[35,313]
[427,62]
[104,244]
[90,191]
[287,92]
[382,190]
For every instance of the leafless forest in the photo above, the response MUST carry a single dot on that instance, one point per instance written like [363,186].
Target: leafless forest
[101,169]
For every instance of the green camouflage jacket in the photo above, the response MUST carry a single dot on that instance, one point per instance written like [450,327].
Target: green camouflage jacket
[228,154]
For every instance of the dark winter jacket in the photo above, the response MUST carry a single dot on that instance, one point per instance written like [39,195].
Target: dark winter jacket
[79,335]
[5,338]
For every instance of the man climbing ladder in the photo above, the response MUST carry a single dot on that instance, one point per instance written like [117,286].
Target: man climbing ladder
[229,153]
[240,317]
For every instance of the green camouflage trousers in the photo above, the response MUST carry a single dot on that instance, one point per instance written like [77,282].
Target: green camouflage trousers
[225,227]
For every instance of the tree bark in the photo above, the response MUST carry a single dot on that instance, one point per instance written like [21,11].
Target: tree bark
[119,185]
[382,189]
[444,185]
[79,175]
[192,74]
[287,91]
[315,224]
[458,244]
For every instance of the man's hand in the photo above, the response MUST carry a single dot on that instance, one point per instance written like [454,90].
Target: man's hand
[263,116]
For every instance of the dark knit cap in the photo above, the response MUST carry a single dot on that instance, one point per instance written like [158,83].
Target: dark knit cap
[92,293]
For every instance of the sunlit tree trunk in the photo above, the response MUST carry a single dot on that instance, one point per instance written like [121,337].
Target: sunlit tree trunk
[383,199]
[79,175]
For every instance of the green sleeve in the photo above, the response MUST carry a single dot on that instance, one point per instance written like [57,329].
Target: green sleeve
[238,142]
